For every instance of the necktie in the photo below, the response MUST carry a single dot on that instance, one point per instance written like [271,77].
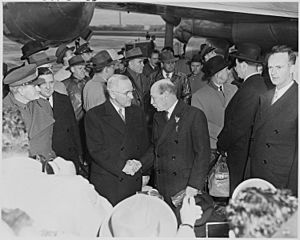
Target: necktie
[168,75]
[166,115]
[221,89]
[121,114]
[275,97]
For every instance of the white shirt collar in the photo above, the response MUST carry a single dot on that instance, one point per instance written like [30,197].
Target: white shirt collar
[117,108]
[171,109]
[251,75]
[50,100]
[280,92]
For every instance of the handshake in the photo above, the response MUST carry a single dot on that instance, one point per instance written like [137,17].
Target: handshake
[131,167]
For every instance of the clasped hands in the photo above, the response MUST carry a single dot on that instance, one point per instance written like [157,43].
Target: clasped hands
[132,166]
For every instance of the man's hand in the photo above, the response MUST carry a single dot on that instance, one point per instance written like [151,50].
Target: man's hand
[189,211]
[191,192]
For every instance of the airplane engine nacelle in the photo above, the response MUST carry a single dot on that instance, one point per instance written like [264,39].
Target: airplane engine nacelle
[50,22]
[264,34]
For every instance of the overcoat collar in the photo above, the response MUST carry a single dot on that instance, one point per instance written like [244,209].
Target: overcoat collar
[113,118]
[268,109]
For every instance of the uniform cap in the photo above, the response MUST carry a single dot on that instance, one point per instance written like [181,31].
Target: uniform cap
[21,76]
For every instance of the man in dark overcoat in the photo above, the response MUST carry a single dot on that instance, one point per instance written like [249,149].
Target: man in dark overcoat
[117,137]
[65,139]
[180,143]
[240,112]
[274,146]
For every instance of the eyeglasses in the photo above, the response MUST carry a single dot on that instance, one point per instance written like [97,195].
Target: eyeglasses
[125,93]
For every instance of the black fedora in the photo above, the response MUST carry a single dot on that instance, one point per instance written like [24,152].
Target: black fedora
[250,52]
[61,51]
[196,58]
[84,48]
[214,65]
[32,47]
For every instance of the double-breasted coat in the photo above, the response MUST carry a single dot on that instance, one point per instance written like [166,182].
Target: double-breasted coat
[238,124]
[181,150]
[66,139]
[274,145]
[111,142]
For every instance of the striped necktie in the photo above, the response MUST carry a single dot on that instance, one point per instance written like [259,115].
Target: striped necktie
[121,114]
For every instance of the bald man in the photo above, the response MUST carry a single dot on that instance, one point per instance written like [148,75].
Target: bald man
[180,143]
[117,138]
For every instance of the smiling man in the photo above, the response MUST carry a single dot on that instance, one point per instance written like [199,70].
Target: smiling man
[274,148]
[180,143]
[65,139]
[117,138]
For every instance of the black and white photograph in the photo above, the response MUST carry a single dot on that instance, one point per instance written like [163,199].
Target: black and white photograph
[172,119]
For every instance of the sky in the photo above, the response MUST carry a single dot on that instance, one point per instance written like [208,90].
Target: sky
[108,17]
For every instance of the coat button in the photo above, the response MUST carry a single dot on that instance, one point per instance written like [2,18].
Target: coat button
[68,130]
[173,158]
[174,173]
[176,141]
[122,148]
[268,145]
[276,131]
[265,161]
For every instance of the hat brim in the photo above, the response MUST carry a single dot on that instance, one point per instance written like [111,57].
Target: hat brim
[241,57]
[60,57]
[49,59]
[134,57]
[169,222]
[69,67]
[252,182]
[208,75]
[175,59]
[33,52]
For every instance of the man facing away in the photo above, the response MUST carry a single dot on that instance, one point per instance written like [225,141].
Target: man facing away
[116,135]
[274,147]
[104,65]
[180,143]
[240,112]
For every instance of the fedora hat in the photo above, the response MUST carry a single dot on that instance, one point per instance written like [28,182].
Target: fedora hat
[105,58]
[249,52]
[32,47]
[252,182]
[84,48]
[214,65]
[140,215]
[205,49]
[24,75]
[133,53]
[75,60]
[41,58]
[168,57]
[60,52]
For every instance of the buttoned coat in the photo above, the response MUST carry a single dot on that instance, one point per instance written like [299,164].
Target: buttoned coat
[111,142]
[238,124]
[66,139]
[274,146]
[181,150]
[213,103]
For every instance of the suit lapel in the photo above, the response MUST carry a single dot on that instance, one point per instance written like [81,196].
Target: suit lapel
[112,118]
[268,110]
[171,124]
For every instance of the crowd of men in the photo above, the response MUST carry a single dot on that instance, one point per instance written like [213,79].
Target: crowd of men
[127,120]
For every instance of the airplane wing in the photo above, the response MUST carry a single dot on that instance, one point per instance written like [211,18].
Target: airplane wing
[225,12]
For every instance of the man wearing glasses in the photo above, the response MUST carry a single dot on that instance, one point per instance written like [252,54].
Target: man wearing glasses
[116,138]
